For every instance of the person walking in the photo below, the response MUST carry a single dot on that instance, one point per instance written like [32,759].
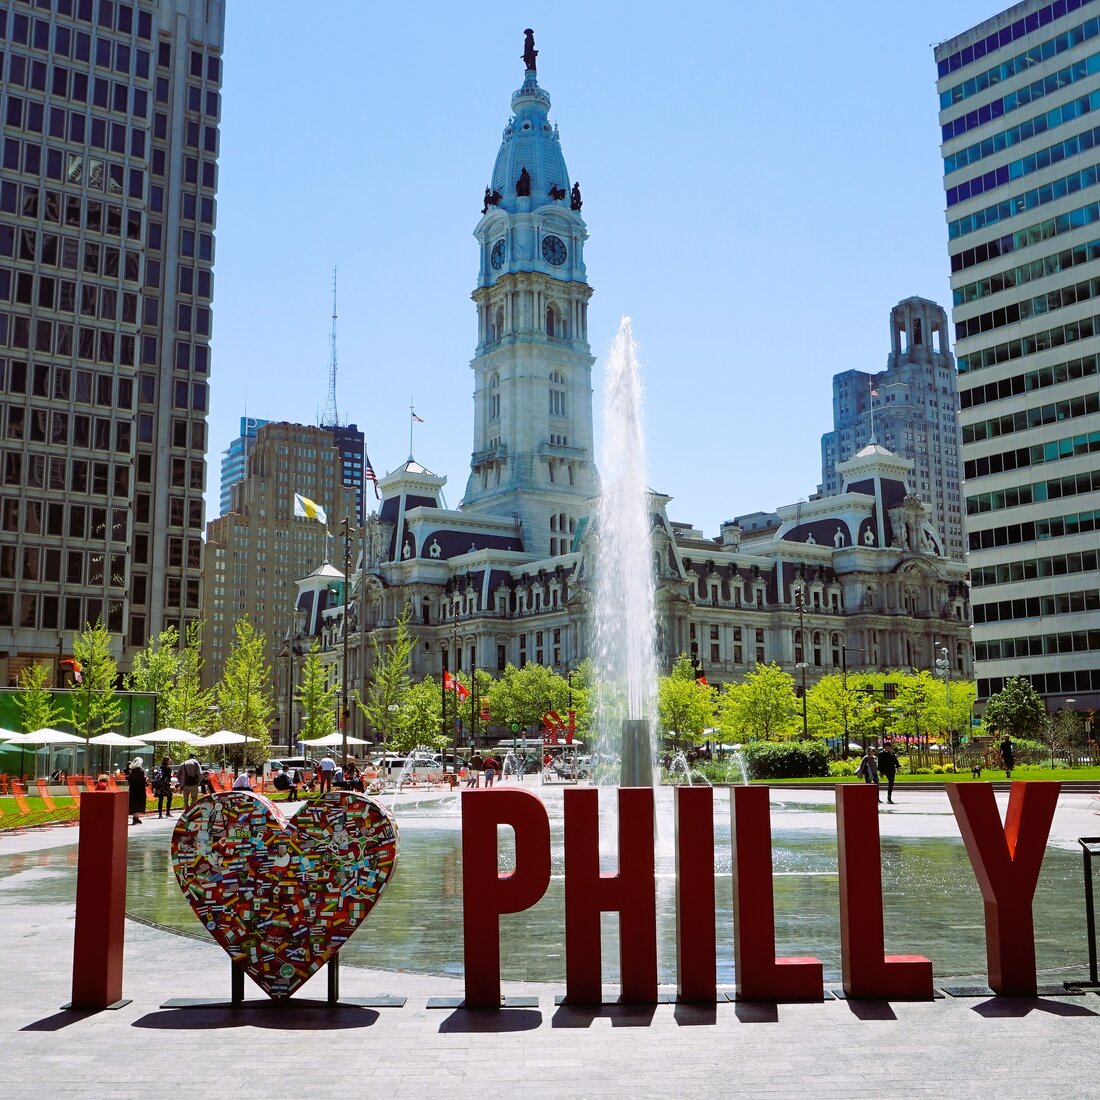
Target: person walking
[868,770]
[162,787]
[326,771]
[491,767]
[888,764]
[473,770]
[135,778]
[190,778]
[1007,756]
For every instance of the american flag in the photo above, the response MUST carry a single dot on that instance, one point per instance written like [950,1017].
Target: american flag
[371,476]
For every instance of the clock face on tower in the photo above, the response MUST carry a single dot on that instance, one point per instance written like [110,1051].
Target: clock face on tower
[553,250]
[496,257]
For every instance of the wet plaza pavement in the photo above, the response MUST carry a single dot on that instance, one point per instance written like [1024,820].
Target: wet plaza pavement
[411,946]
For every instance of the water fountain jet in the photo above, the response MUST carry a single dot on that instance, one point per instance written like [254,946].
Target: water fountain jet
[625,621]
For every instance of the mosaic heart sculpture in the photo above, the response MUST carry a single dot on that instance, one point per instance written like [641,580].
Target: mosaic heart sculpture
[282,895]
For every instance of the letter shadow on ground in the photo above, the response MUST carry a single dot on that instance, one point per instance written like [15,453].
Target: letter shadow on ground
[1017,1007]
[275,1018]
[620,1015]
[64,1018]
[489,1021]
[690,1014]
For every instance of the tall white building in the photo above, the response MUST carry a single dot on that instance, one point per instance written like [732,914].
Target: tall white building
[110,115]
[1019,102]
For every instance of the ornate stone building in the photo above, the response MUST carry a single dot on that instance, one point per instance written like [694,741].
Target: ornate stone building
[860,577]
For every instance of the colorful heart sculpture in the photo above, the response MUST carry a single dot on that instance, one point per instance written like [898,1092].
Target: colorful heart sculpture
[283,895]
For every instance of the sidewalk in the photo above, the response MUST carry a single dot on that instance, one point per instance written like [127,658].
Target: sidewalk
[979,1047]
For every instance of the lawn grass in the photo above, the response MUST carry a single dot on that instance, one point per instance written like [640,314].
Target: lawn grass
[1024,771]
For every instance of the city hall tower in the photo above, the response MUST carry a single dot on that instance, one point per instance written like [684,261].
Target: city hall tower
[532,455]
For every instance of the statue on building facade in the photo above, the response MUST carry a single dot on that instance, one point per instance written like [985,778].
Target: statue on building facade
[492,198]
[529,51]
[575,201]
[523,184]
[557,193]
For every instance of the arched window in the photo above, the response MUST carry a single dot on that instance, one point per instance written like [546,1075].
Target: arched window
[817,648]
[498,323]
[834,642]
[494,397]
[557,393]
[798,647]
[551,320]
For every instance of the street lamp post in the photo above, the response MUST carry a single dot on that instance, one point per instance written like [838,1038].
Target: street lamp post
[346,524]
[800,601]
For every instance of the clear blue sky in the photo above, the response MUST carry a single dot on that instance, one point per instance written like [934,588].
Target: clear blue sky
[761,184]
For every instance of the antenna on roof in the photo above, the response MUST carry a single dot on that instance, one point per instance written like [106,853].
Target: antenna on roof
[330,418]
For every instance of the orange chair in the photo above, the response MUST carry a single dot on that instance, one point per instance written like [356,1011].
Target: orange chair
[74,788]
[63,814]
[27,816]
[3,784]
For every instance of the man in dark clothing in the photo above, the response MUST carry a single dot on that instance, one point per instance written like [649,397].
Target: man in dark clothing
[888,765]
[1007,756]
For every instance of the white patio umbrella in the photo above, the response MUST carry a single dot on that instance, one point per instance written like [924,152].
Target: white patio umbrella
[168,734]
[335,738]
[118,740]
[223,738]
[47,737]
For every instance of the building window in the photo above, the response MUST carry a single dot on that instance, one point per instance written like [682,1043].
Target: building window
[557,394]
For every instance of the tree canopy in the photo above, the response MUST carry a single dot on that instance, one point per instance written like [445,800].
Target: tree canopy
[1017,709]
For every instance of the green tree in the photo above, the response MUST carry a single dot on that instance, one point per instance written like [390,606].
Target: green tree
[421,719]
[96,708]
[763,707]
[37,707]
[685,708]
[1017,709]
[188,705]
[523,695]
[1064,732]
[316,698]
[155,669]
[919,701]
[837,709]
[389,682]
[244,694]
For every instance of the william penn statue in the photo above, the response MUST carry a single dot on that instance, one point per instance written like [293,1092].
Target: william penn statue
[529,51]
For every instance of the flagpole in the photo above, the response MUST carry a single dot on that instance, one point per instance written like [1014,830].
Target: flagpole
[411,422]
[871,400]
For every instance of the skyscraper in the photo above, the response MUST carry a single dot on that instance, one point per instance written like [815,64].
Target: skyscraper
[1021,158]
[256,552]
[235,459]
[910,408]
[107,211]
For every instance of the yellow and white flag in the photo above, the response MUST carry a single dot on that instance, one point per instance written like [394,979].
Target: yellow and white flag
[304,508]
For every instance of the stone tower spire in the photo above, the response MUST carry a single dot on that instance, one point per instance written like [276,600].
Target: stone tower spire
[532,453]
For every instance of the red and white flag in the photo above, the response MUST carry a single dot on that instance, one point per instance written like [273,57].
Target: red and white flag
[460,689]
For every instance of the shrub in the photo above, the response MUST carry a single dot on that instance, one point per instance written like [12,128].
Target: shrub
[937,769]
[843,767]
[949,769]
[786,759]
